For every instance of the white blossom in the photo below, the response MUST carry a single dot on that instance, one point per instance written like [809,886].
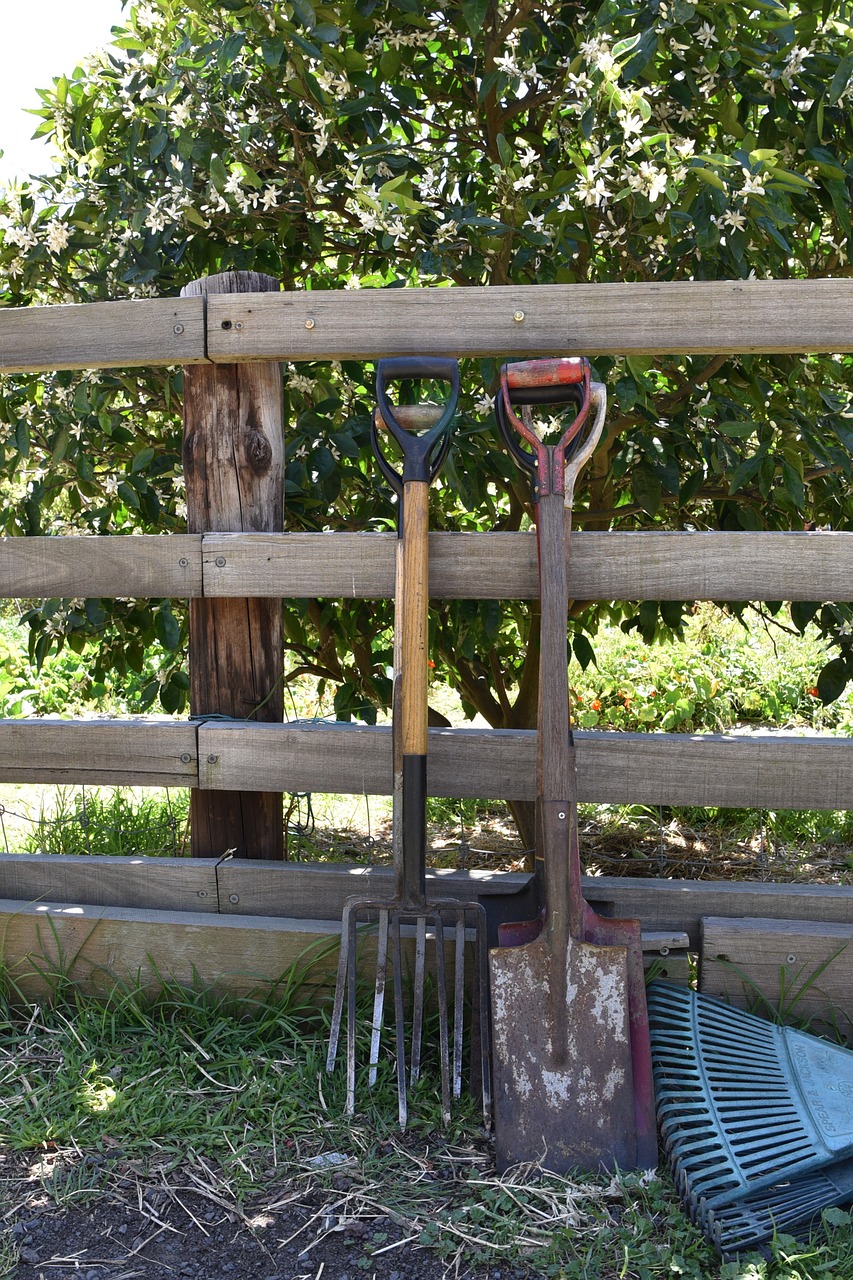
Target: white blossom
[794,63]
[706,35]
[23,237]
[630,123]
[156,220]
[57,236]
[648,179]
[269,199]
[181,114]
[752,185]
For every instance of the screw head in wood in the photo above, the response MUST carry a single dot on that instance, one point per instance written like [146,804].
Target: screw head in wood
[239,324]
[220,562]
[518,317]
[212,759]
[562,817]
[309,323]
[233,897]
[226,324]
[202,893]
[186,758]
[183,562]
[179,328]
[792,959]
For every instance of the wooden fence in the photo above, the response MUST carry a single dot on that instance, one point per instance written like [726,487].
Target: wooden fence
[239,922]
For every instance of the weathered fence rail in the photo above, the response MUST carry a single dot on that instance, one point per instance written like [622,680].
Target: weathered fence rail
[238,923]
[766,770]
[484,566]
[690,317]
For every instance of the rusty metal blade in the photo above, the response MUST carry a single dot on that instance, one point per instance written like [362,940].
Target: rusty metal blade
[570,1110]
[627,933]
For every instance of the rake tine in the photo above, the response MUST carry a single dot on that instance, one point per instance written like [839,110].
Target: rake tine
[441,992]
[379,994]
[418,994]
[458,1001]
[340,987]
[402,1106]
[351,1014]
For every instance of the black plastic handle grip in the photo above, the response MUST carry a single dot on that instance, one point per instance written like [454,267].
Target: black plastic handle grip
[422,454]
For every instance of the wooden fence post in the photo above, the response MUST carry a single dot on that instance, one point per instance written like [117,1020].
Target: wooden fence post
[234,469]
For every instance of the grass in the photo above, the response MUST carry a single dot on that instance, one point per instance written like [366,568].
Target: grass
[91,1086]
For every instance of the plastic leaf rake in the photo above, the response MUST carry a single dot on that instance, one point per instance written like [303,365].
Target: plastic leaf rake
[743,1104]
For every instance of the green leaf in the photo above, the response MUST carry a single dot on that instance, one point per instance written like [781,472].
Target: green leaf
[832,681]
[841,79]
[142,459]
[707,176]
[505,151]
[646,488]
[166,628]
[229,49]
[583,650]
[304,12]
[622,47]
[474,12]
[96,613]
[745,472]
[272,51]
[327,33]
[736,428]
[128,495]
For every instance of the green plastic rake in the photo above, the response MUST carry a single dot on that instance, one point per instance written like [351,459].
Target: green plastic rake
[743,1105]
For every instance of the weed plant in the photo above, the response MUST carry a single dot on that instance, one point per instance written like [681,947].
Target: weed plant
[117,821]
[98,1081]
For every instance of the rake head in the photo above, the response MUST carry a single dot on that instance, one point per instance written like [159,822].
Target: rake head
[743,1104]
[432,925]
[790,1206]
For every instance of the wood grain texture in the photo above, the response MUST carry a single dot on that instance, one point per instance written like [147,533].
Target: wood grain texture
[779,957]
[234,469]
[604,566]
[486,566]
[644,318]
[758,771]
[682,904]
[147,566]
[102,335]
[413,622]
[306,890]
[115,752]
[100,947]
[172,884]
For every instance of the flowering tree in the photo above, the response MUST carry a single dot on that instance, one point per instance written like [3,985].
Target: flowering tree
[367,144]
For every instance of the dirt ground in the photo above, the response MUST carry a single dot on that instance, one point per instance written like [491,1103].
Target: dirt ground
[177,1223]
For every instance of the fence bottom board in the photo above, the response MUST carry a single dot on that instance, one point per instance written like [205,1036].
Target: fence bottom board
[98,949]
[802,968]
[43,945]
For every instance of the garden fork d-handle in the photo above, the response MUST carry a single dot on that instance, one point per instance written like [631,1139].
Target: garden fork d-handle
[424,452]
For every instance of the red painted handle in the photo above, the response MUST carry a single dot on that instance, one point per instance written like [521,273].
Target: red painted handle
[543,375]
